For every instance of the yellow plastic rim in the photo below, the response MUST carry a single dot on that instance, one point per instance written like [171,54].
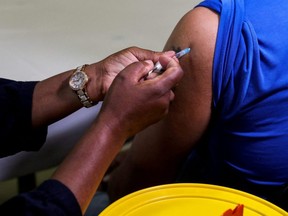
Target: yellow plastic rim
[188,199]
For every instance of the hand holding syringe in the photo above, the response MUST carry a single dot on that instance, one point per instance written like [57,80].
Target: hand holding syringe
[158,67]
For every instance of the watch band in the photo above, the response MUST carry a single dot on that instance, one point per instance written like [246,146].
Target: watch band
[84,98]
[82,93]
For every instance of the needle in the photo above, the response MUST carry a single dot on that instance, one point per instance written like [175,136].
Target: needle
[158,67]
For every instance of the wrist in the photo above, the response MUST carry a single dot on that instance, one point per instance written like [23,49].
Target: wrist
[95,85]
[78,83]
[86,82]
[112,125]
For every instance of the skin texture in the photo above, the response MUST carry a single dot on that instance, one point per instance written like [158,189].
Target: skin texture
[158,152]
[130,104]
[53,98]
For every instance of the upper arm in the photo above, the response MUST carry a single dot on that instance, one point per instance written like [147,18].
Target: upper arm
[190,112]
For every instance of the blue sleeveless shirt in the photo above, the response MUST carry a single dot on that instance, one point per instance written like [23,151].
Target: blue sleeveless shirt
[250,91]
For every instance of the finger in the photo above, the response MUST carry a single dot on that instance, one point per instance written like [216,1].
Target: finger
[137,70]
[172,95]
[145,54]
[165,60]
[151,76]
[171,76]
[169,96]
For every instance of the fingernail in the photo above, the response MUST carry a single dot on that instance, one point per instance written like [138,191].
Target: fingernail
[150,62]
[170,53]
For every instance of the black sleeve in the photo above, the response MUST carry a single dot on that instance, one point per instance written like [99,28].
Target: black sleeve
[16,132]
[51,198]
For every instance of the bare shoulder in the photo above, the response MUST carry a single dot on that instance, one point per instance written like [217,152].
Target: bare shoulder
[197,29]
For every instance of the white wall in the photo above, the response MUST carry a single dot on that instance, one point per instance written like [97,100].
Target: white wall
[39,38]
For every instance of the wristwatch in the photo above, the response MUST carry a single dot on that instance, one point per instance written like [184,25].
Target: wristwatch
[78,82]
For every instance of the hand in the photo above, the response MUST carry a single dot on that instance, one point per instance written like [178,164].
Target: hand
[133,103]
[109,68]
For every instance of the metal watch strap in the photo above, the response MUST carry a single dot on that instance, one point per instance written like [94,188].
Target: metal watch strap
[82,94]
[84,98]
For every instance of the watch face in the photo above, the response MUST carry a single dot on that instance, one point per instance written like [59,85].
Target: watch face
[78,80]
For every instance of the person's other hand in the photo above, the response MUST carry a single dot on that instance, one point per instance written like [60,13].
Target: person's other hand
[109,67]
[133,102]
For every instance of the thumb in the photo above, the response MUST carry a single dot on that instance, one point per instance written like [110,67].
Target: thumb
[137,70]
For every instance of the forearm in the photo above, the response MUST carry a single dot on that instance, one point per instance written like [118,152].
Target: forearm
[83,169]
[53,99]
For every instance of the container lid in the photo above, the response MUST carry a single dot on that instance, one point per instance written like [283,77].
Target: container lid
[187,199]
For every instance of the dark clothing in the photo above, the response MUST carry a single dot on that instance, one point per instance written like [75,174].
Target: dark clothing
[50,198]
[17,134]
